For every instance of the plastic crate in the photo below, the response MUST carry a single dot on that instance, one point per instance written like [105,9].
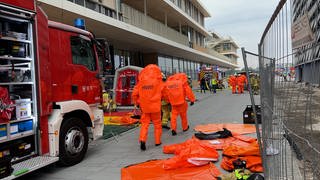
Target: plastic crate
[23,108]
[25,126]
[248,115]
[14,129]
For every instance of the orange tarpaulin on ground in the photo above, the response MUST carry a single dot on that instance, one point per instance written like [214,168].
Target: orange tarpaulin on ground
[119,118]
[234,150]
[253,163]
[234,128]
[237,140]
[250,154]
[192,152]
[154,170]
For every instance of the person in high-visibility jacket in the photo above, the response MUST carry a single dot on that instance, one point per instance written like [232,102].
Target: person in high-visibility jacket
[233,83]
[214,84]
[148,92]
[176,91]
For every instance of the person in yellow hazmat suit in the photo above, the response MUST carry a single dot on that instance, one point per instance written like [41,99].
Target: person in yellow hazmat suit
[107,102]
[165,109]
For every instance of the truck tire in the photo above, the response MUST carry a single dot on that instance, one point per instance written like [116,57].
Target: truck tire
[73,141]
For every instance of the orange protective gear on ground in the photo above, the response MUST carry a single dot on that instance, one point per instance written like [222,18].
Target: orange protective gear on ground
[236,140]
[192,152]
[234,128]
[233,83]
[253,163]
[148,92]
[154,170]
[233,150]
[176,92]
[124,120]
[249,153]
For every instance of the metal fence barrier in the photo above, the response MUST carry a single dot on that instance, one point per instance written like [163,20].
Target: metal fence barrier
[289,70]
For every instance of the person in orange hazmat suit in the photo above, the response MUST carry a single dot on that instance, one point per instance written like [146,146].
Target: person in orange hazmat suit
[176,91]
[241,81]
[148,92]
[233,83]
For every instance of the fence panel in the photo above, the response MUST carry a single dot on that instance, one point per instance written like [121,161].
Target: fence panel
[290,95]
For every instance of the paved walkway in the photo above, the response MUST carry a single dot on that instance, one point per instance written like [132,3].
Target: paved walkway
[105,158]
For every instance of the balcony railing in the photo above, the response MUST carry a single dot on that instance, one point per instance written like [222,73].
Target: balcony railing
[138,19]
[214,53]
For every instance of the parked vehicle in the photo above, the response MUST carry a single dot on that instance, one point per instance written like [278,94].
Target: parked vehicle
[51,74]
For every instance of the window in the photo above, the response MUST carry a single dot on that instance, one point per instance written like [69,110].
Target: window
[196,15]
[82,52]
[169,65]
[162,63]
[187,6]
[91,5]
[175,63]
[80,2]
[201,19]
[179,3]
[226,46]
[186,69]
[132,81]
[181,65]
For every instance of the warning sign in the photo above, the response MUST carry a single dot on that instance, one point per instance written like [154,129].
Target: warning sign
[301,32]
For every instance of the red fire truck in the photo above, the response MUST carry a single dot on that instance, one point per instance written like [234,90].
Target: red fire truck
[50,73]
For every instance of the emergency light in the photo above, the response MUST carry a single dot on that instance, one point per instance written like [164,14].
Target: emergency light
[80,23]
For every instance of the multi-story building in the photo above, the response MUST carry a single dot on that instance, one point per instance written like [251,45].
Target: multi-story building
[225,46]
[307,63]
[169,33]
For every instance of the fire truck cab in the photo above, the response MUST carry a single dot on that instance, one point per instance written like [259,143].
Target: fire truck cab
[50,72]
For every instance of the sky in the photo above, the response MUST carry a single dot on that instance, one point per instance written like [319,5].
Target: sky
[243,20]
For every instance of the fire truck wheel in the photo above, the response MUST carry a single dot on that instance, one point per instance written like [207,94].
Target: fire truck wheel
[73,143]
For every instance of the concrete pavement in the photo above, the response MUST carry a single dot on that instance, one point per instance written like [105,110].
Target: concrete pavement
[105,158]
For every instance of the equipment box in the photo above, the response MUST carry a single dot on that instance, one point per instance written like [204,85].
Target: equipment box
[21,127]
[23,108]
[22,147]
[248,115]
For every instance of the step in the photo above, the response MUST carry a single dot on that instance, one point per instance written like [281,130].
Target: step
[30,165]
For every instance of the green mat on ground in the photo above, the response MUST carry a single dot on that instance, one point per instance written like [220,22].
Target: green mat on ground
[112,130]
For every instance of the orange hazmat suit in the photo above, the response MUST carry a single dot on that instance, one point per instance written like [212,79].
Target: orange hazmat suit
[241,80]
[233,83]
[176,92]
[190,153]
[148,92]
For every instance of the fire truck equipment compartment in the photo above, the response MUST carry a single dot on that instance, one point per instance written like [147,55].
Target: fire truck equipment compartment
[22,147]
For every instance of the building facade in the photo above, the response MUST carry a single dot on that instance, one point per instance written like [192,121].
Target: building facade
[225,46]
[307,63]
[169,33]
